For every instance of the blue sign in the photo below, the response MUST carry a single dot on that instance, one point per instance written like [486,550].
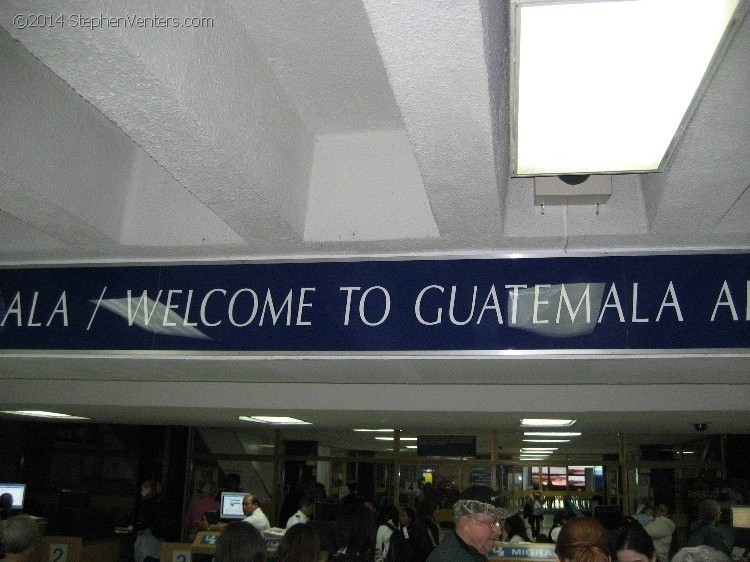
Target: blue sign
[209,539]
[594,303]
[534,551]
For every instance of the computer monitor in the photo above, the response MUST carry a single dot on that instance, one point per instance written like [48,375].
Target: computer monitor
[18,491]
[72,499]
[231,505]
[324,510]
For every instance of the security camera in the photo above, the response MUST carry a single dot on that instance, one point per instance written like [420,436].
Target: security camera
[701,427]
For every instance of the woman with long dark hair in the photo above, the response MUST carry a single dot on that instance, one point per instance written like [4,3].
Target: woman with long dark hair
[515,529]
[240,542]
[634,544]
[300,543]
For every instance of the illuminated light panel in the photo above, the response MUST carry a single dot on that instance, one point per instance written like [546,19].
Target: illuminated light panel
[374,430]
[538,422]
[552,433]
[604,86]
[391,439]
[537,450]
[278,420]
[43,414]
[546,440]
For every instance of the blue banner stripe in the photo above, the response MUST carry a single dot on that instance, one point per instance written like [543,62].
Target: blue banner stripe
[602,303]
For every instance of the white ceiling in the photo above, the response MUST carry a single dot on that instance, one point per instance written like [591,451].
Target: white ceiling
[315,130]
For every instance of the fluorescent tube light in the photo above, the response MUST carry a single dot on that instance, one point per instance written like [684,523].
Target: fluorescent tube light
[539,422]
[538,449]
[374,430]
[277,420]
[552,433]
[604,86]
[391,439]
[43,414]
[546,440]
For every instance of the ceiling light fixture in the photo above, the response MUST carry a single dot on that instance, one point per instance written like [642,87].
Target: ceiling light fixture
[274,420]
[374,430]
[43,414]
[552,433]
[540,422]
[391,438]
[537,450]
[546,440]
[607,86]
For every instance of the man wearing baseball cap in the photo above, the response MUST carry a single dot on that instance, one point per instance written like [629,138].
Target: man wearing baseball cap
[479,522]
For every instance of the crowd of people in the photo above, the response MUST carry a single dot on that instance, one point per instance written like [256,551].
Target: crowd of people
[392,534]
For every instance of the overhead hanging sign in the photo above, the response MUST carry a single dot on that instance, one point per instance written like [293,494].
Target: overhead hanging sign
[573,303]
[446,446]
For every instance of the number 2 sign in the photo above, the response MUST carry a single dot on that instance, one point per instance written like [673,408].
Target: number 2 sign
[181,556]
[58,553]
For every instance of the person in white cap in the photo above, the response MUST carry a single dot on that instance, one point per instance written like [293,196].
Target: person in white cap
[479,522]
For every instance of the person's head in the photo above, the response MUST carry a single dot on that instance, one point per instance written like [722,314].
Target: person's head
[300,543]
[701,553]
[208,490]
[479,517]
[307,505]
[406,516]
[6,501]
[240,542]
[355,529]
[426,508]
[18,535]
[317,490]
[249,504]
[583,539]
[391,513]
[233,482]
[149,488]
[634,544]
[661,510]
[514,525]
[709,510]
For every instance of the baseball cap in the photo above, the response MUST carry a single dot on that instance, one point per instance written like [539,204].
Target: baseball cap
[480,499]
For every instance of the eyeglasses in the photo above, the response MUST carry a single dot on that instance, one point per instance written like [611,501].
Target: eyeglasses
[494,525]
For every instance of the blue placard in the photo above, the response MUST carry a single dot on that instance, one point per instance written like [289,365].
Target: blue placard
[526,551]
[209,539]
[601,303]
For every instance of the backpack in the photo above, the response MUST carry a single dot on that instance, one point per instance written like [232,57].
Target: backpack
[387,545]
[402,548]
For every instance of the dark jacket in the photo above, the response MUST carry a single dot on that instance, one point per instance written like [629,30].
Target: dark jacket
[150,516]
[704,532]
[453,549]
